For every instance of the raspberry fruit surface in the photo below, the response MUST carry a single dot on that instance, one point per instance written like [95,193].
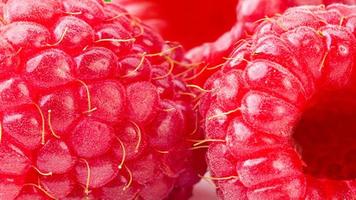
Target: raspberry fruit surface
[280,114]
[212,55]
[89,107]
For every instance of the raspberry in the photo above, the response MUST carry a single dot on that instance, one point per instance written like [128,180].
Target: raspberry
[191,22]
[89,107]
[249,12]
[280,114]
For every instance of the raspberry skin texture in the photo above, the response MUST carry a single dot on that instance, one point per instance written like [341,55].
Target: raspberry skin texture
[210,56]
[279,114]
[90,107]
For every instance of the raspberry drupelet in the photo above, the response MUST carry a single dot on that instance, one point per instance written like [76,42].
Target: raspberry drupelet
[280,114]
[89,107]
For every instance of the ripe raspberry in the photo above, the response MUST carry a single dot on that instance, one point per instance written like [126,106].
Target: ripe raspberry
[89,107]
[280,114]
[191,22]
[249,13]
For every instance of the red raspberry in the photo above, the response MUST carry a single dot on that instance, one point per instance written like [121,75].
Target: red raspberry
[249,13]
[191,22]
[89,107]
[280,114]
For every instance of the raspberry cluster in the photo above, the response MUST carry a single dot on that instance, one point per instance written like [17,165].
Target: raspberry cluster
[95,104]
[280,113]
[89,107]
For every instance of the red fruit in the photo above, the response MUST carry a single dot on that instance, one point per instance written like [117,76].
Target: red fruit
[9,188]
[212,55]
[84,112]
[286,130]
[58,185]
[55,157]
[38,11]
[191,22]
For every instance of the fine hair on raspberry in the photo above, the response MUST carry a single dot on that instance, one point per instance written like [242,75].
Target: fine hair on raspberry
[90,107]
[280,114]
